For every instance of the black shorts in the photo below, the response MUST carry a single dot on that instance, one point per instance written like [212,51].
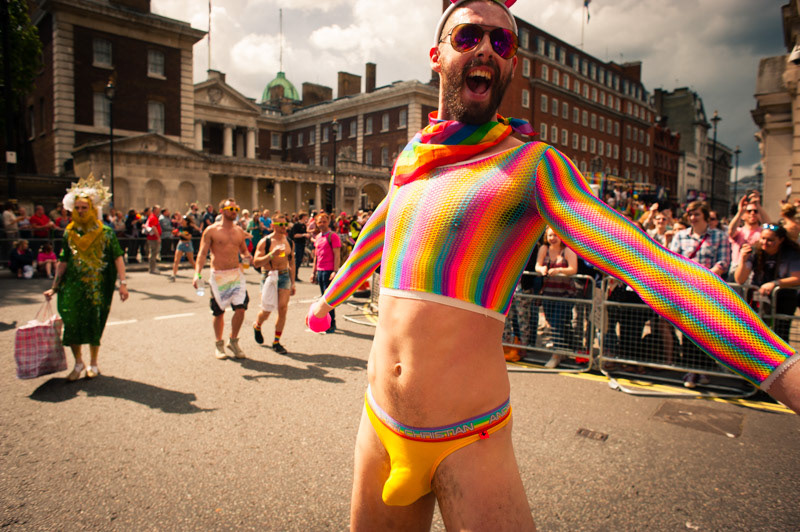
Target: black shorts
[216,311]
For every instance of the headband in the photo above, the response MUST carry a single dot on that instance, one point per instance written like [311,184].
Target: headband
[505,4]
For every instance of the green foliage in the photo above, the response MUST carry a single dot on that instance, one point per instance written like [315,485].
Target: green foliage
[26,50]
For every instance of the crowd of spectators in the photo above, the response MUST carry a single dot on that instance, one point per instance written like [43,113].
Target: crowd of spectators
[154,234]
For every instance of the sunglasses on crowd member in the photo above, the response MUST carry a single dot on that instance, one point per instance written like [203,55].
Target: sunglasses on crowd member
[280,224]
[465,37]
[772,227]
[712,219]
[751,211]
[232,208]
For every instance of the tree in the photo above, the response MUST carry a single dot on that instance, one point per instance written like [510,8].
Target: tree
[24,56]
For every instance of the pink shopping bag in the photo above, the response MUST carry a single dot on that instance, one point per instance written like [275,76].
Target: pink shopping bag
[37,345]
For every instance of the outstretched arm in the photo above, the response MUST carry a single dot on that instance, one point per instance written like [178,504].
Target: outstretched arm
[363,260]
[691,297]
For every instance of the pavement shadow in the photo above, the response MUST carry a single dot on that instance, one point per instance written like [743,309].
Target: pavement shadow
[267,370]
[352,334]
[161,297]
[58,390]
[330,361]
[24,291]
[7,326]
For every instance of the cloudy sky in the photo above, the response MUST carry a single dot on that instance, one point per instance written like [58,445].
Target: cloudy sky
[711,46]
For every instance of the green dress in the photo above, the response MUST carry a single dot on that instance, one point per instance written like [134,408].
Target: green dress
[86,290]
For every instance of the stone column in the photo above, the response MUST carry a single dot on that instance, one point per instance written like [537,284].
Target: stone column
[318,197]
[277,196]
[231,187]
[360,138]
[254,194]
[415,120]
[298,195]
[227,141]
[198,135]
[251,143]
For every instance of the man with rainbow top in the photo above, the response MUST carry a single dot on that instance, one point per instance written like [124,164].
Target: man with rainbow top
[465,207]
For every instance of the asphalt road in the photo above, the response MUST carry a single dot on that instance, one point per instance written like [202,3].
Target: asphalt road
[169,438]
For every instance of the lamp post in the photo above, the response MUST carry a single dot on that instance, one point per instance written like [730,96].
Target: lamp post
[110,89]
[335,130]
[735,201]
[716,118]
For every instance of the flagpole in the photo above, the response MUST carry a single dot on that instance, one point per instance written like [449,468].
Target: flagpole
[583,21]
[209,34]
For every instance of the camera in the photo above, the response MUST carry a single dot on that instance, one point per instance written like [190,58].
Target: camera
[794,57]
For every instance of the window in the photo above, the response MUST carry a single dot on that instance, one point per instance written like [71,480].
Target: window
[311,161]
[339,131]
[576,115]
[562,56]
[616,154]
[544,103]
[556,79]
[289,141]
[385,122]
[565,111]
[540,45]
[627,155]
[575,62]
[602,98]
[368,157]
[353,128]
[102,110]
[275,141]
[553,134]
[403,119]
[594,121]
[300,140]
[554,107]
[526,67]
[526,98]
[551,51]
[616,129]
[325,136]
[609,128]
[584,143]
[101,53]
[324,160]
[312,137]
[524,38]
[628,132]
[545,75]
[155,63]
[575,141]
[592,145]
[585,119]
[602,124]
[608,149]
[564,137]
[594,94]
[583,167]
[565,81]
[586,91]
[647,159]
[600,147]
[577,87]
[368,125]
[543,131]
[385,155]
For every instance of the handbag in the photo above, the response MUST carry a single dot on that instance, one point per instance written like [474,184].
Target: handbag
[37,345]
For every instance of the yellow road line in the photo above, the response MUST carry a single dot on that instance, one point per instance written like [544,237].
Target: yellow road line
[675,390]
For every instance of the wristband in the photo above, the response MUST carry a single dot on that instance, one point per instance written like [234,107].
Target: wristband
[123,282]
[197,275]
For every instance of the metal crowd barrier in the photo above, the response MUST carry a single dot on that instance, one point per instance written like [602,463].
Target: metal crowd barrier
[635,342]
[559,330]
[367,309]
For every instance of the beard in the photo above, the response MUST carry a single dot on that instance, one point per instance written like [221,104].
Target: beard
[86,220]
[453,82]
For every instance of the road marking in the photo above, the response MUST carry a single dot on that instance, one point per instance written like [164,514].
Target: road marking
[174,316]
[109,324]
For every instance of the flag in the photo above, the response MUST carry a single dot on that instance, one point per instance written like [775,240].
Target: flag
[586,7]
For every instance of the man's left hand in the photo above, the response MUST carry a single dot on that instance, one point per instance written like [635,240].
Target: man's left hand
[123,292]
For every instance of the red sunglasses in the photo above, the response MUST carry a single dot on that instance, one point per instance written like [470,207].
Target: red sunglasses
[465,37]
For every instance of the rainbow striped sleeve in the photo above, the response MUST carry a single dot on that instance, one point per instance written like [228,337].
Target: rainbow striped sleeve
[363,260]
[692,298]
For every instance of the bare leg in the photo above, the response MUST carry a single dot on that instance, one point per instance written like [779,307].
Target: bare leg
[48,268]
[219,326]
[479,488]
[190,258]
[75,374]
[367,509]
[236,323]
[263,316]
[786,387]
[76,352]
[94,350]
[176,262]
[283,308]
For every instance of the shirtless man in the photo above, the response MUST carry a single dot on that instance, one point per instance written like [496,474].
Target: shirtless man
[465,207]
[279,273]
[226,241]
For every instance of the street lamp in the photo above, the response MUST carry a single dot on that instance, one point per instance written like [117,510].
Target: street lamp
[716,118]
[335,128]
[735,202]
[110,89]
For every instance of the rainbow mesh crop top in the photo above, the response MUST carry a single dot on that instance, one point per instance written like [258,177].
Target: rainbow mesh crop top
[462,234]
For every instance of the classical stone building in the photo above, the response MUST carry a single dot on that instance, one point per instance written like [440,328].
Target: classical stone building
[777,116]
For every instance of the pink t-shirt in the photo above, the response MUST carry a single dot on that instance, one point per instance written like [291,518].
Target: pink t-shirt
[324,250]
[743,236]
[45,256]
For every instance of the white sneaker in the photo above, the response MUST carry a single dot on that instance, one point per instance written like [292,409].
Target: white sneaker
[220,351]
[233,345]
[553,363]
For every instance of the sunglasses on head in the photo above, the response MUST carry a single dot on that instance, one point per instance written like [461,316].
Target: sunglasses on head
[280,224]
[233,208]
[465,37]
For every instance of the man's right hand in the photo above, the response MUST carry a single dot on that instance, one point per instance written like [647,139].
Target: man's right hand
[743,202]
[48,294]
[194,281]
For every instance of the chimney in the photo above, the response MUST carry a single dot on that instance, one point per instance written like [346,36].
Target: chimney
[369,83]
[143,6]
[349,84]
[215,74]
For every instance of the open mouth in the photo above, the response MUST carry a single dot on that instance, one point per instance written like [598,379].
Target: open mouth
[479,81]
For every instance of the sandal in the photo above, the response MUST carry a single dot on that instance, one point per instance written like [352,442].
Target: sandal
[92,372]
[76,372]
